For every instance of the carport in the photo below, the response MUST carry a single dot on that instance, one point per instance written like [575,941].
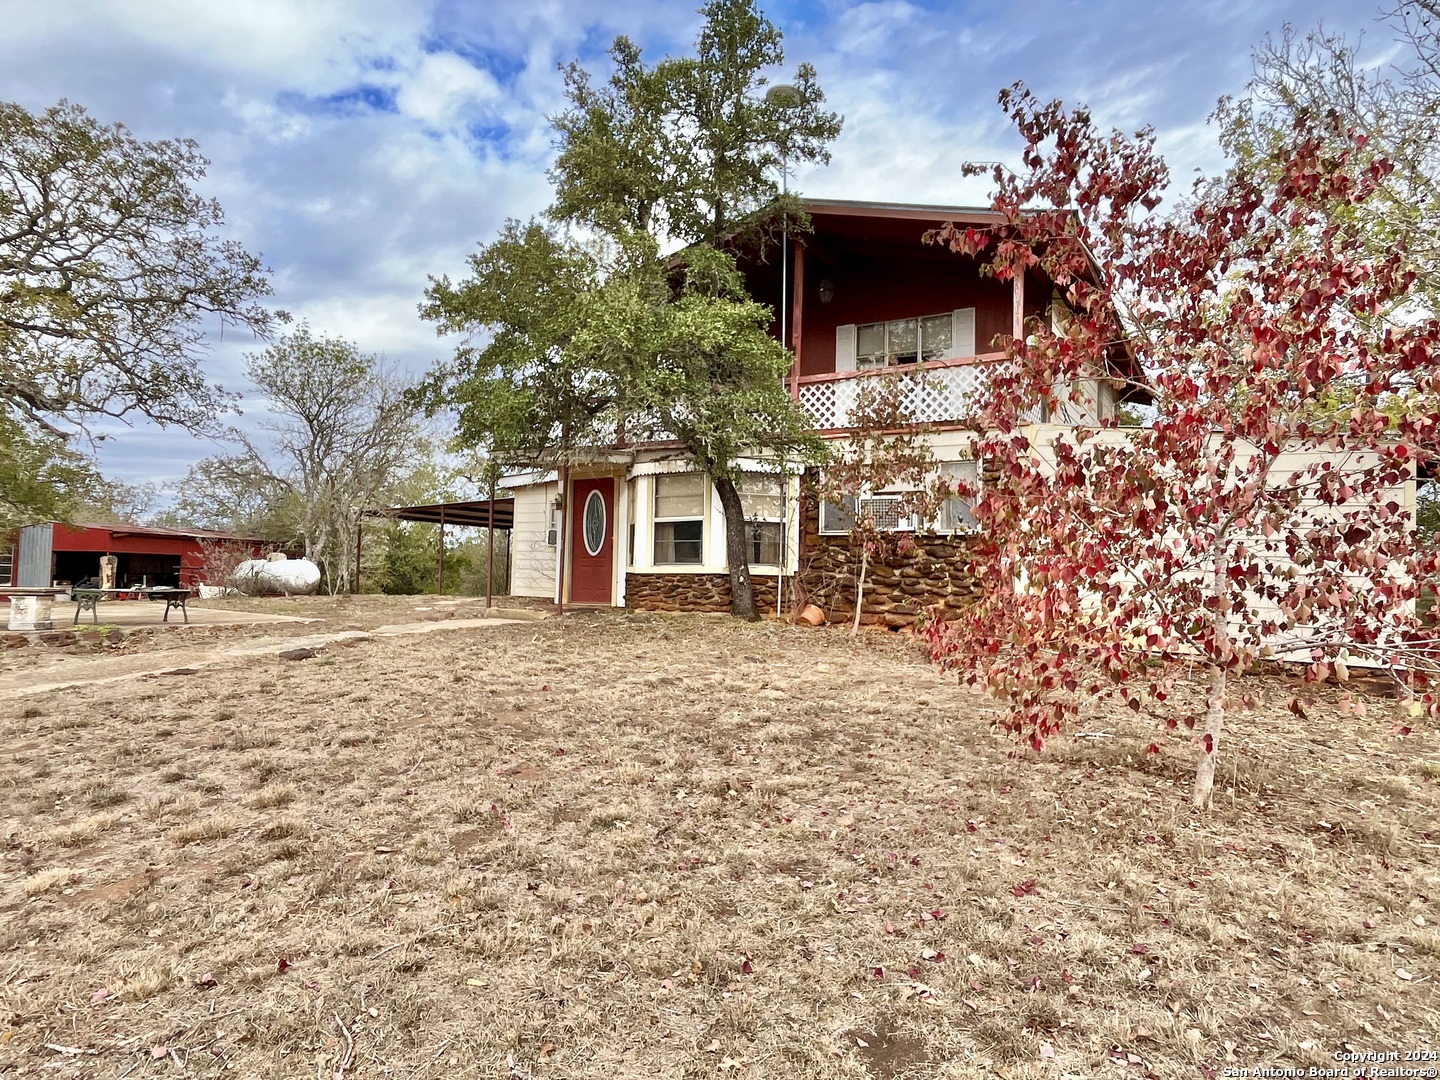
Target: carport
[487,514]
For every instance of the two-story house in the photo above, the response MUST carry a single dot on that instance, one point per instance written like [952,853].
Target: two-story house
[862,296]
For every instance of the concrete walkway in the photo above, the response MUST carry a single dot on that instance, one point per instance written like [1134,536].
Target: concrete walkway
[90,671]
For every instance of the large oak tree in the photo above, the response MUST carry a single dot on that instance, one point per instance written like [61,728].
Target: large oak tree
[643,327]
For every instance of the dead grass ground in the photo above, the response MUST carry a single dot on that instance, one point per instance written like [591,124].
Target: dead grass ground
[620,845]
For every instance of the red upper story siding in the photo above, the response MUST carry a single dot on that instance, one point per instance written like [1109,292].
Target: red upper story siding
[877,288]
[879,268]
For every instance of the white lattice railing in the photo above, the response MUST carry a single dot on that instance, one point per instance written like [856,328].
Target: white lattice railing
[933,393]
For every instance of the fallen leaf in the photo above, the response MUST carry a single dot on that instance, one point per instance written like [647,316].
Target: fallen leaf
[547,1048]
[158,1052]
[1046,1050]
[282,965]
[101,994]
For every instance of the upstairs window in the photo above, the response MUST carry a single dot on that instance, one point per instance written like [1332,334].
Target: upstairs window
[904,341]
[762,498]
[680,520]
[900,342]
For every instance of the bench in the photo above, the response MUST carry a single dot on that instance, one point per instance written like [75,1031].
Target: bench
[89,600]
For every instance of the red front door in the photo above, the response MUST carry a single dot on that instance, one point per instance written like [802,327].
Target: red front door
[592,541]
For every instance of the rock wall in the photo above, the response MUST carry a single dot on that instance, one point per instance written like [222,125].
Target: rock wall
[933,573]
[692,592]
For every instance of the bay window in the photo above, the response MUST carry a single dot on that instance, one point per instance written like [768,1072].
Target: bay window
[680,519]
[762,498]
[955,515]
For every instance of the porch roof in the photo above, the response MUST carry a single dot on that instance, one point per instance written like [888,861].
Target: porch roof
[473,513]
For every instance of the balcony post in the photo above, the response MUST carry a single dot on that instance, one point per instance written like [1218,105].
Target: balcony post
[1017,296]
[797,310]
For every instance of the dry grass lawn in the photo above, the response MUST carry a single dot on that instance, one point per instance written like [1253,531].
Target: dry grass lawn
[638,846]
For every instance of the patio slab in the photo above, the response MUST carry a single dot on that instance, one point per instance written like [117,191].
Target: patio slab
[131,613]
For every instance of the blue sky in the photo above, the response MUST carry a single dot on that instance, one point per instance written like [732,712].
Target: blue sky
[361,145]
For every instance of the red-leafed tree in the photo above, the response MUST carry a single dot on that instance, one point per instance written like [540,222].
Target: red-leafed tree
[1266,510]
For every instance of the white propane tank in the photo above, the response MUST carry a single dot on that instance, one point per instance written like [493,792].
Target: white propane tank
[276,577]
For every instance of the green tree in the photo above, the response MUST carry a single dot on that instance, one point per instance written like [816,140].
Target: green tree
[1320,80]
[342,438]
[41,479]
[111,274]
[570,342]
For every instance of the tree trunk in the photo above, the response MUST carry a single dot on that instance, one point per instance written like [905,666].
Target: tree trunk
[860,588]
[1215,697]
[1210,738]
[737,554]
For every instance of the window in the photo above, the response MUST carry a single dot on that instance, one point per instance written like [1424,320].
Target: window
[904,341]
[838,517]
[679,519]
[762,498]
[593,524]
[7,562]
[955,515]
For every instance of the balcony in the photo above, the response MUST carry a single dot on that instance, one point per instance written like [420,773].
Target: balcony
[938,392]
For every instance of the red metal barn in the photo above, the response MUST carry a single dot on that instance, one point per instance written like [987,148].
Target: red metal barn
[54,553]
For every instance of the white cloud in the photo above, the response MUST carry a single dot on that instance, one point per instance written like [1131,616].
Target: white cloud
[340,131]
[444,87]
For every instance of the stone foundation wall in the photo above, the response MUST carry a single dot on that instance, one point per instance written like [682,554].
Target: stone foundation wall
[934,573]
[691,592]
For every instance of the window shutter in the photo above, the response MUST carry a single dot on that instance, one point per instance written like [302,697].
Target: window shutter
[964,324]
[845,347]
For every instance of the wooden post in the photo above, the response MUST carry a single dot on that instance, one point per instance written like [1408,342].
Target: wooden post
[1017,313]
[440,557]
[797,312]
[490,548]
[359,536]
[564,531]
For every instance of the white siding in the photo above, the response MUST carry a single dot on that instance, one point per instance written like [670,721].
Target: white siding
[533,560]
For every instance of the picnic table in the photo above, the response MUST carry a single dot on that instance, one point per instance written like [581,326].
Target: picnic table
[89,599]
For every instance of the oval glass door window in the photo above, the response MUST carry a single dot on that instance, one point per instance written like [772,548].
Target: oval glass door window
[594,523]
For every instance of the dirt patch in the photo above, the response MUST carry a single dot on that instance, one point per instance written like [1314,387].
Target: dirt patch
[619,845]
[884,1051]
[113,891]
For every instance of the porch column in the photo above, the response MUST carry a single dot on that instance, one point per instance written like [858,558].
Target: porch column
[490,549]
[1017,296]
[797,310]
[440,557]
[620,540]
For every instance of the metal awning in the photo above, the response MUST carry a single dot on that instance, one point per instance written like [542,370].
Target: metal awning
[475,513]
